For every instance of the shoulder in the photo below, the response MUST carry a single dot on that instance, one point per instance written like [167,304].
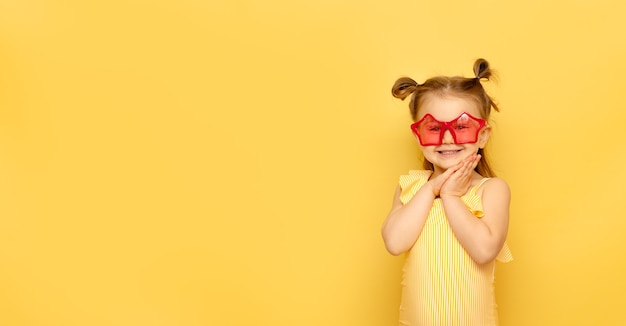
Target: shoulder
[421,173]
[495,194]
[411,183]
[413,176]
[494,186]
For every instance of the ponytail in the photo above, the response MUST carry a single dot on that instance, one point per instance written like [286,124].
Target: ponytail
[481,69]
[404,87]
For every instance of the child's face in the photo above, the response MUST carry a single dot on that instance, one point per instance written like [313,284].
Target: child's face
[448,108]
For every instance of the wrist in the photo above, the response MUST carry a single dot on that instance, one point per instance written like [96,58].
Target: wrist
[449,196]
[431,189]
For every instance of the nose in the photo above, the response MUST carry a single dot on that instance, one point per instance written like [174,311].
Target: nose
[447,137]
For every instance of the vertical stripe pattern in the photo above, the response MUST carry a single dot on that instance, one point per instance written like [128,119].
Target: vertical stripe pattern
[441,283]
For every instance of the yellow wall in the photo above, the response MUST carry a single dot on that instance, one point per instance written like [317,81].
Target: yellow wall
[230,163]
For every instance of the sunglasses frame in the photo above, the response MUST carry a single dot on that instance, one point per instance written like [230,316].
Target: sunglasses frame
[447,125]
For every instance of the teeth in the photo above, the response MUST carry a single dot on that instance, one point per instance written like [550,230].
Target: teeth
[448,152]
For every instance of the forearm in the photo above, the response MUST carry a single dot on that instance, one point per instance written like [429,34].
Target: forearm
[405,222]
[474,235]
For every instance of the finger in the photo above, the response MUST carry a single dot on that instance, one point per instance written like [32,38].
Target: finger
[470,157]
[476,161]
[462,168]
[469,165]
[466,168]
[450,171]
[455,168]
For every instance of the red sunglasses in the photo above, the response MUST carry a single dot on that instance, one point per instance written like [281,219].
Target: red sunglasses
[464,129]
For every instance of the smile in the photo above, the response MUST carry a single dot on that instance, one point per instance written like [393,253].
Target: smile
[449,152]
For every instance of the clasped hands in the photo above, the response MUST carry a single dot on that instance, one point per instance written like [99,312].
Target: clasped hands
[456,180]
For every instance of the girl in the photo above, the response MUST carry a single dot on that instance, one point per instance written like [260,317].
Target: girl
[452,217]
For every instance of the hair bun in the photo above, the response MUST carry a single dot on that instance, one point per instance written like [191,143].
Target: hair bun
[481,69]
[403,87]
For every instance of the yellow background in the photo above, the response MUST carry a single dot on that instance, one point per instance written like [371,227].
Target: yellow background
[230,163]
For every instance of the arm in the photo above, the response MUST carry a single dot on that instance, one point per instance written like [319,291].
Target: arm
[404,223]
[484,237]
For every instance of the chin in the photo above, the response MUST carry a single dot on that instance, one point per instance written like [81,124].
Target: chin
[446,166]
[446,161]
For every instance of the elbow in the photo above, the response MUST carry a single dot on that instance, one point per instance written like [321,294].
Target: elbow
[481,260]
[393,247]
[394,251]
[484,257]
[396,244]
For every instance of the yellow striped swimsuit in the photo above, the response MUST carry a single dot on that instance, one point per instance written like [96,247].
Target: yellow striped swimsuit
[441,284]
